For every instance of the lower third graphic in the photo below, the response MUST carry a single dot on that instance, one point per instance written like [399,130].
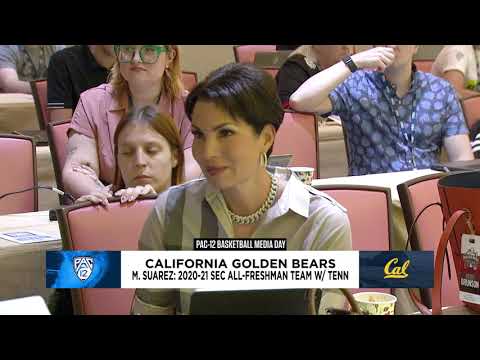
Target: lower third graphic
[83,269]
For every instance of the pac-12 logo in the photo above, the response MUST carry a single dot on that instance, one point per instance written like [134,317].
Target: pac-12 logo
[83,266]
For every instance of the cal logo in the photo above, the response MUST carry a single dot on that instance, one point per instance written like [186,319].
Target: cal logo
[83,266]
[395,272]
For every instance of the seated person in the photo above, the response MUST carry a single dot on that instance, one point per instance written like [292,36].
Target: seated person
[459,64]
[72,71]
[303,63]
[240,197]
[395,118]
[142,75]
[149,155]
[20,64]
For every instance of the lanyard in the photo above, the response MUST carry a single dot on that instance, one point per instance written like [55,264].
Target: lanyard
[409,136]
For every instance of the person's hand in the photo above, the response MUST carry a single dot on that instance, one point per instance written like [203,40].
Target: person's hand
[378,58]
[132,193]
[97,197]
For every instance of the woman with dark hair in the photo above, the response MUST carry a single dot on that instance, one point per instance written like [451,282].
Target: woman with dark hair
[235,113]
[148,153]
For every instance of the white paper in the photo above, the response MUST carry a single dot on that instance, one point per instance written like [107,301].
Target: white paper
[27,236]
[335,118]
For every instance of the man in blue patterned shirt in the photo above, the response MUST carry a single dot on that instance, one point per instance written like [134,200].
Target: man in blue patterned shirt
[396,118]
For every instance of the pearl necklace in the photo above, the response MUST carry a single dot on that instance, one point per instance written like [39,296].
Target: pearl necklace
[253,218]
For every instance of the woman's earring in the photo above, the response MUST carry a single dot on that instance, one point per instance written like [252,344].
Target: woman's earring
[263,159]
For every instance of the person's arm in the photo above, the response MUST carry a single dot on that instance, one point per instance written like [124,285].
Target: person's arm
[82,151]
[458,148]
[457,79]
[312,96]
[10,83]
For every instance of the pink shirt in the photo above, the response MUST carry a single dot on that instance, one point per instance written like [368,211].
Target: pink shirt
[98,114]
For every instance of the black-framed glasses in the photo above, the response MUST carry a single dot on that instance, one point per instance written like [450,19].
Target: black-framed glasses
[149,54]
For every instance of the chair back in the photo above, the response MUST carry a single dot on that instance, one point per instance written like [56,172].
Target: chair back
[189,80]
[18,169]
[424,65]
[57,140]
[298,136]
[415,195]
[372,229]
[94,227]
[246,53]
[471,110]
[39,92]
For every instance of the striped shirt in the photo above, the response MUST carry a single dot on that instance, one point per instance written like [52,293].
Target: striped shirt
[307,218]
[476,145]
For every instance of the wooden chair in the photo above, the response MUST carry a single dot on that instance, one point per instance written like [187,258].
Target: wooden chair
[94,227]
[424,65]
[298,136]
[189,80]
[39,92]
[415,196]
[246,53]
[19,172]
[471,110]
[57,140]
[372,229]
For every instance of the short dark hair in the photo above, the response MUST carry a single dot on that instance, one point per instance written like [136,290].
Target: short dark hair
[244,91]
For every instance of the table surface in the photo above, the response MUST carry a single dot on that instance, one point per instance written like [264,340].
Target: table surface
[15,100]
[17,113]
[390,180]
[22,266]
[37,221]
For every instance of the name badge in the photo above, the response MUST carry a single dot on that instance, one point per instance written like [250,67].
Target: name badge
[470,269]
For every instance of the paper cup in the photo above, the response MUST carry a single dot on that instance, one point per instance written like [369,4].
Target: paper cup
[305,174]
[376,303]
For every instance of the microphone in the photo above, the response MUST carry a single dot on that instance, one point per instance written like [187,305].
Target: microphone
[51,188]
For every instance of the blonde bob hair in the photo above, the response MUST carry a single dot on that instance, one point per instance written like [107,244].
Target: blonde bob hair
[172,85]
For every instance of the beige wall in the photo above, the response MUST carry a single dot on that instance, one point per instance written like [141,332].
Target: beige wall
[204,58]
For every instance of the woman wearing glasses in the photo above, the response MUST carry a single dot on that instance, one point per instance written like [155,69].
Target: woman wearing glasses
[235,114]
[142,75]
